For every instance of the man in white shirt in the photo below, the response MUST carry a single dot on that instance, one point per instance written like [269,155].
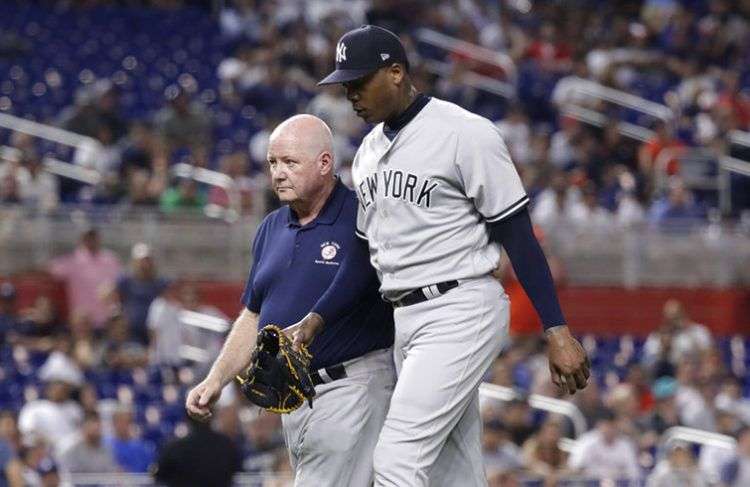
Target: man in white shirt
[56,418]
[605,453]
[687,337]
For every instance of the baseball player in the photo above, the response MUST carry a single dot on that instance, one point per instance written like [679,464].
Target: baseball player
[438,197]
[298,251]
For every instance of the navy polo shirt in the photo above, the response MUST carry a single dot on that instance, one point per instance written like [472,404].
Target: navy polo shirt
[294,265]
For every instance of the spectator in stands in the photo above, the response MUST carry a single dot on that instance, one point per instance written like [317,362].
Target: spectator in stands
[39,328]
[140,148]
[134,292]
[10,190]
[665,414]
[678,468]
[8,314]
[589,401]
[38,469]
[561,153]
[264,440]
[678,206]
[97,106]
[499,451]
[243,187]
[185,195]
[588,213]
[85,348]
[131,453]
[9,430]
[554,204]
[516,134]
[185,123]
[122,351]
[88,272]
[622,400]
[38,188]
[55,418]
[651,153]
[166,328]
[604,452]
[730,399]
[712,457]
[518,420]
[736,472]
[694,408]
[542,454]
[677,332]
[11,468]
[145,188]
[203,457]
[88,454]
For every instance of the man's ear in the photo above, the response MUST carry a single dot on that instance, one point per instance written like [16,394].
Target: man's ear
[397,72]
[325,163]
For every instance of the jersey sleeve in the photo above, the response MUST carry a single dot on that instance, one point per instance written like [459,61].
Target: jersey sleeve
[487,172]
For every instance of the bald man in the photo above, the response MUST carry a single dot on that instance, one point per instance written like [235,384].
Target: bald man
[298,251]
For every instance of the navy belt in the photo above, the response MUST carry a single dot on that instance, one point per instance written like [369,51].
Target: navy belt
[328,374]
[424,293]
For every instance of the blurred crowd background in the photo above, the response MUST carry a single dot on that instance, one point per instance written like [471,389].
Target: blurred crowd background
[170,104]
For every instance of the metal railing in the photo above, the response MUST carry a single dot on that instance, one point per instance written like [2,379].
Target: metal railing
[468,50]
[537,401]
[92,177]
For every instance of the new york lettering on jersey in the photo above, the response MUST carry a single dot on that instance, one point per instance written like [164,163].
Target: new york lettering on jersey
[443,189]
[398,185]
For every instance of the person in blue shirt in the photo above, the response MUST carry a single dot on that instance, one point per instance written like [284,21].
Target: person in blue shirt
[135,291]
[132,454]
[298,251]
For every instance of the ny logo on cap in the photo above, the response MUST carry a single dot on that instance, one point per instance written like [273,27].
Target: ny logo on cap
[340,52]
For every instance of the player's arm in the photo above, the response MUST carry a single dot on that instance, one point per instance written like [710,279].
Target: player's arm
[491,181]
[234,357]
[568,362]
[354,279]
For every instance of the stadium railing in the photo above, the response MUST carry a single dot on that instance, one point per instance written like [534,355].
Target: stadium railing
[92,177]
[611,255]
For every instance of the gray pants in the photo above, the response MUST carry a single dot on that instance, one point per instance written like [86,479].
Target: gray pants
[443,347]
[331,445]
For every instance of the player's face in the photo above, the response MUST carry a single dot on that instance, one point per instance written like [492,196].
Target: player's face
[373,97]
[294,173]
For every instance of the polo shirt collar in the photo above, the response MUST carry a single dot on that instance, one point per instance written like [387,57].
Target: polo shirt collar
[330,211]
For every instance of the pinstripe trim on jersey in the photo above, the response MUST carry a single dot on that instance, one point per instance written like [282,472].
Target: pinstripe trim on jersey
[360,234]
[509,210]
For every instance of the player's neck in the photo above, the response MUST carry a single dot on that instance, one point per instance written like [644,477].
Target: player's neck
[407,98]
[308,210]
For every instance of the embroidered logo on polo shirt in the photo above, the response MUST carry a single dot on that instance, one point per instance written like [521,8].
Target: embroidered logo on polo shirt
[328,251]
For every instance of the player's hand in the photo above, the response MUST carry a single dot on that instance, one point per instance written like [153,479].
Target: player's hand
[568,363]
[201,399]
[304,331]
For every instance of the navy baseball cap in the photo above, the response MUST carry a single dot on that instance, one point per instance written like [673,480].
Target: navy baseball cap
[362,51]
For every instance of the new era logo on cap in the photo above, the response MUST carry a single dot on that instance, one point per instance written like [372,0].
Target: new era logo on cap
[363,51]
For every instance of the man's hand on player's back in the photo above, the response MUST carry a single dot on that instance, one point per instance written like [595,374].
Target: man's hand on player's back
[568,363]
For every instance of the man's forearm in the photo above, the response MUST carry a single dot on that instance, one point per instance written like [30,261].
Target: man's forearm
[235,354]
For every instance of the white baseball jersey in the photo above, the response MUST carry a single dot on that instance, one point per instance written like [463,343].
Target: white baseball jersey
[426,196]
